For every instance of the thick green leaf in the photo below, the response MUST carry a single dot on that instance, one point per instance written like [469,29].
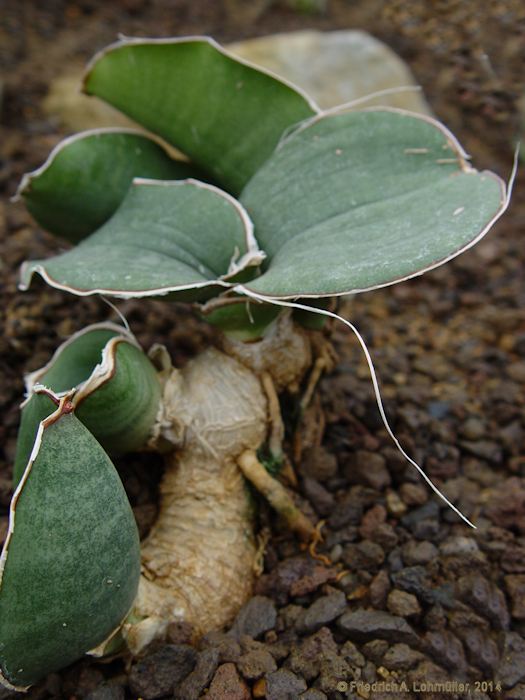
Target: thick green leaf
[241,319]
[118,391]
[71,561]
[365,199]
[87,176]
[120,406]
[165,237]
[224,114]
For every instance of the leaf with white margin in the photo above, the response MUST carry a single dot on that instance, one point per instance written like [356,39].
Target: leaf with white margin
[70,565]
[86,177]
[117,391]
[181,238]
[351,202]
[223,113]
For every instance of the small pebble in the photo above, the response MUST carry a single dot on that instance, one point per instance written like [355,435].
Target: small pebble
[402,603]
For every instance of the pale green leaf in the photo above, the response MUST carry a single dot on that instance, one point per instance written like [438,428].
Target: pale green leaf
[71,561]
[166,237]
[361,200]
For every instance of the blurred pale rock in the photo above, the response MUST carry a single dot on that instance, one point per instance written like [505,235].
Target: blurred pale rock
[332,67]
[335,67]
[74,111]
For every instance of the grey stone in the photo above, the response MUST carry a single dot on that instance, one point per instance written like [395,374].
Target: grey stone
[415,553]
[313,694]
[486,599]
[371,470]
[323,611]
[402,603]
[352,655]
[332,670]
[227,685]
[400,657]
[305,657]
[256,663]
[193,685]
[458,546]
[322,500]
[158,673]
[255,618]
[415,579]
[366,625]
[375,650]
[364,555]
[512,669]
[284,685]
[378,589]
[107,692]
[446,649]
[335,67]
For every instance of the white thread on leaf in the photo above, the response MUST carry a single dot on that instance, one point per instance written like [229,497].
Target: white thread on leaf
[242,290]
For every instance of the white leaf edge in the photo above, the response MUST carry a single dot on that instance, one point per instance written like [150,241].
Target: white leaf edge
[252,257]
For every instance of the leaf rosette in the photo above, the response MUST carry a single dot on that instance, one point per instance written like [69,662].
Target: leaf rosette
[297,202]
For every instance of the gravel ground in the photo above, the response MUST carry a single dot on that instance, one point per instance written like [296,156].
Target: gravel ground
[408,594]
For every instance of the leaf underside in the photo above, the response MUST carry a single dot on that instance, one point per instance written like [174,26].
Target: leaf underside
[225,115]
[73,559]
[87,176]
[165,237]
[362,200]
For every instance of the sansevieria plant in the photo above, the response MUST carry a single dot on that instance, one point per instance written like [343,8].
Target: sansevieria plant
[237,194]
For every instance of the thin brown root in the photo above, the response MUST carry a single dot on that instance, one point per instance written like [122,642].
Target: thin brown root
[288,474]
[275,440]
[315,375]
[340,576]
[317,537]
[262,541]
[276,495]
[325,360]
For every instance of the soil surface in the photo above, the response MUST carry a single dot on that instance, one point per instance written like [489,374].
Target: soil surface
[408,593]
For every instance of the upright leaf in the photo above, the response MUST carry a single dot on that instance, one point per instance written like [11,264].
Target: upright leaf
[71,562]
[224,114]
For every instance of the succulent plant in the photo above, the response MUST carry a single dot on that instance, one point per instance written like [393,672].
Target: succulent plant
[240,195]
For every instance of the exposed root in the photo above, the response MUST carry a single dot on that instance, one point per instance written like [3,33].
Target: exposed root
[317,537]
[276,436]
[276,495]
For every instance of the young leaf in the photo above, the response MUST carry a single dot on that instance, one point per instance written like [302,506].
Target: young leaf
[361,200]
[179,236]
[226,115]
[86,177]
[70,565]
[117,395]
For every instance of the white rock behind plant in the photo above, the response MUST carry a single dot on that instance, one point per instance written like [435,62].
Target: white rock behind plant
[336,67]
[333,67]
